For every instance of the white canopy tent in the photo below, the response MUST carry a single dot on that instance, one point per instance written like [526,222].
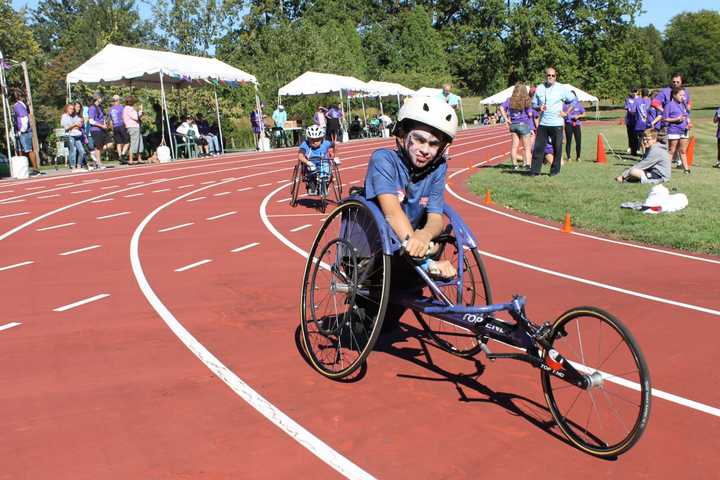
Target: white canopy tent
[117,65]
[503,95]
[388,89]
[436,92]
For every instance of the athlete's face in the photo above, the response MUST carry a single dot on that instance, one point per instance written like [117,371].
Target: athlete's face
[315,142]
[422,146]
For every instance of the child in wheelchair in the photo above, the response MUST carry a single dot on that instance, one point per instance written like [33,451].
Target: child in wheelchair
[316,153]
[408,184]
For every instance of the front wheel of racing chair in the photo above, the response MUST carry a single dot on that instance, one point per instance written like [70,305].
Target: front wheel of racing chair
[345,290]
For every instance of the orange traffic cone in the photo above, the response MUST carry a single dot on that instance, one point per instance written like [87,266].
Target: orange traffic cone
[691,152]
[600,157]
[488,200]
[567,226]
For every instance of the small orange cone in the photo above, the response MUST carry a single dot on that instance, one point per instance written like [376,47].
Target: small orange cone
[567,226]
[600,157]
[691,152]
[488,200]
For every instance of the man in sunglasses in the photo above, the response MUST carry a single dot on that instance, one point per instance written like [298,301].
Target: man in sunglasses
[549,99]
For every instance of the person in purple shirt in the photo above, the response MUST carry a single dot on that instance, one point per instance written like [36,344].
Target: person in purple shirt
[517,113]
[120,133]
[575,113]
[676,116]
[257,124]
[642,115]
[23,130]
[98,129]
[333,118]
[716,119]
[664,96]
[630,121]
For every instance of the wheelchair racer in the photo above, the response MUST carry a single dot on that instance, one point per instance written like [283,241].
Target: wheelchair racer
[408,182]
[313,150]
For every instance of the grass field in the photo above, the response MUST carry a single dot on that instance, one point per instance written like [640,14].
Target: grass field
[588,191]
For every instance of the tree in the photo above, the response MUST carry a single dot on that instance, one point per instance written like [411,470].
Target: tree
[192,26]
[691,46]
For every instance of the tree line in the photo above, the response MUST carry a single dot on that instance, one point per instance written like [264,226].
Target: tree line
[480,46]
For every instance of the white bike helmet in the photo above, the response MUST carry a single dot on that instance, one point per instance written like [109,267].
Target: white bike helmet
[315,131]
[429,111]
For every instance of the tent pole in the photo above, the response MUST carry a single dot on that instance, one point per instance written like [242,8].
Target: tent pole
[35,143]
[163,106]
[381,106]
[6,105]
[342,111]
[398,97]
[362,100]
[217,112]
[462,115]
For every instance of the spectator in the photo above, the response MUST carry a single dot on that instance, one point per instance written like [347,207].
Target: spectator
[81,114]
[23,130]
[356,128]
[516,112]
[575,113]
[676,116]
[630,121]
[186,126]
[279,117]
[319,118]
[386,120]
[642,115]
[334,117]
[98,129]
[663,97]
[654,167]
[206,134]
[549,97]
[256,122]
[448,97]
[73,126]
[120,133]
[131,115]
[716,119]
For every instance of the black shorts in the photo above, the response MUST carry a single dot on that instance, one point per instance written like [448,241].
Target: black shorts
[333,126]
[100,138]
[121,135]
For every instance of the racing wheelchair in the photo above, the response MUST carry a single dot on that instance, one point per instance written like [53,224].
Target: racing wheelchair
[594,377]
[326,178]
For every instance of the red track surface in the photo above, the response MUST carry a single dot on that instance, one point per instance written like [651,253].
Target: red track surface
[107,390]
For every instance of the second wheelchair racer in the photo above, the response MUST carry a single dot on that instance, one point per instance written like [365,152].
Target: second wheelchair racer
[312,152]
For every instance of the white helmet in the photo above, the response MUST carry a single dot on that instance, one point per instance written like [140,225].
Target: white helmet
[430,111]
[315,131]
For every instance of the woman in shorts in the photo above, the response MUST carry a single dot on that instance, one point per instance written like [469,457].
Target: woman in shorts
[517,113]
[131,115]
[675,115]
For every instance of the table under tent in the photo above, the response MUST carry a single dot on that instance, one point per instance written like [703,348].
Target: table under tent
[136,67]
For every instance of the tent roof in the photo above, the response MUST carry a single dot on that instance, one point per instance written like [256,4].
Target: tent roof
[428,92]
[503,95]
[115,64]
[387,89]
[314,83]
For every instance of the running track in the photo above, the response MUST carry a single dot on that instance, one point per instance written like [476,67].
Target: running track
[148,331]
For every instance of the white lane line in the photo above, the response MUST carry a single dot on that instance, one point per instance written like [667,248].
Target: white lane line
[161,190]
[80,191]
[660,394]
[49,196]
[221,194]
[298,215]
[284,200]
[36,188]
[10,325]
[64,184]
[579,234]
[81,302]
[355,181]
[193,265]
[7,191]
[282,181]
[208,182]
[133,195]
[265,184]
[245,247]
[182,225]
[84,249]
[102,200]
[112,215]
[109,187]
[12,201]
[186,186]
[136,183]
[244,189]
[301,227]
[16,265]
[221,215]
[55,226]
[294,430]
[14,215]
[196,199]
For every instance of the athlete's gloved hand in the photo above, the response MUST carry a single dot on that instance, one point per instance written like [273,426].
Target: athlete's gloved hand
[311,168]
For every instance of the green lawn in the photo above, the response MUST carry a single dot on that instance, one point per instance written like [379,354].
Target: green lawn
[588,191]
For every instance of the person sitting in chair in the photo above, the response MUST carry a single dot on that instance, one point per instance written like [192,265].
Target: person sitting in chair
[355,129]
[312,152]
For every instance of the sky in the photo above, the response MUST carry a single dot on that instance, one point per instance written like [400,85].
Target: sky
[657,12]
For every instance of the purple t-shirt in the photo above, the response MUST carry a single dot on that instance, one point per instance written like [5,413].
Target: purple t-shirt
[334,113]
[96,114]
[516,116]
[116,114]
[549,150]
[652,115]
[578,110]
[673,110]
[531,122]
[665,95]
[642,114]
[717,114]
[22,117]
[630,110]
